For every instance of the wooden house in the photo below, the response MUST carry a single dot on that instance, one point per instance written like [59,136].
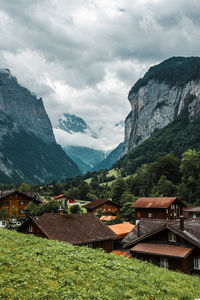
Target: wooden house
[105,205]
[193,212]
[169,208]
[121,230]
[77,229]
[169,244]
[15,202]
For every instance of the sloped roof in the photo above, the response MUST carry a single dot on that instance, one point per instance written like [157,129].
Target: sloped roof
[74,228]
[160,202]
[121,253]
[193,209]
[147,227]
[99,202]
[59,196]
[162,249]
[121,229]
[32,195]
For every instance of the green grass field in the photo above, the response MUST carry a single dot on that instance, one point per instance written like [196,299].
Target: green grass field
[36,268]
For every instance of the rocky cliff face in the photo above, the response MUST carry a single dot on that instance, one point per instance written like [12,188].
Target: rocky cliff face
[24,108]
[158,100]
[28,150]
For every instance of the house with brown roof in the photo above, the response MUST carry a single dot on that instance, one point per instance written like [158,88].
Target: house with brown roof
[171,244]
[13,201]
[169,208]
[193,212]
[77,229]
[105,205]
[121,230]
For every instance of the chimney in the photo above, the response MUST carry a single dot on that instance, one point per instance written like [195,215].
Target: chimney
[138,230]
[182,222]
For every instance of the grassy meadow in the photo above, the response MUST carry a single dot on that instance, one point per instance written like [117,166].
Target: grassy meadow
[36,268]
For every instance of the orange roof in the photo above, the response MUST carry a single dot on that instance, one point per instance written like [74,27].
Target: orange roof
[160,202]
[107,218]
[121,253]
[162,249]
[122,229]
[59,196]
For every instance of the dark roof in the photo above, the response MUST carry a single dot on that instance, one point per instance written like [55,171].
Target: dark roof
[148,227]
[74,228]
[161,202]
[99,202]
[194,209]
[162,249]
[32,195]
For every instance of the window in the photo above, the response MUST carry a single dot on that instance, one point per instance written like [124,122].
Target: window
[21,203]
[164,263]
[30,228]
[149,215]
[166,210]
[171,237]
[172,206]
[5,203]
[3,223]
[196,261]
[88,245]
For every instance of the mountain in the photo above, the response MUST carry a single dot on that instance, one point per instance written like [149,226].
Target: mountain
[71,123]
[110,159]
[165,115]
[28,149]
[160,96]
[86,158]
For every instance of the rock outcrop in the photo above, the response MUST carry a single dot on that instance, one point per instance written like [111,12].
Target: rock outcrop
[160,97]
[28,149]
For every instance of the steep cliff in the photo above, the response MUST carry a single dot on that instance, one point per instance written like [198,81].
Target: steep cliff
[160,96]
[28,150]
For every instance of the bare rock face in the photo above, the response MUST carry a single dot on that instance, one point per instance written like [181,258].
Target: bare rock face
[155,102]
[24,108]
[28,149]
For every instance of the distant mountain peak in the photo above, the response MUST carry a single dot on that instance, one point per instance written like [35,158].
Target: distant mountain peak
[71,123]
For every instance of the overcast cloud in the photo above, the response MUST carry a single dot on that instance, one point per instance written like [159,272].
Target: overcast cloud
[83,56]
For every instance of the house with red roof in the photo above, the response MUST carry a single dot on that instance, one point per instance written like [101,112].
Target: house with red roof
[169,208]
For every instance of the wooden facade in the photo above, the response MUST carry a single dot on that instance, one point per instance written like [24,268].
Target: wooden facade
[15,202]
[170,209]
[170,260]
[106,206]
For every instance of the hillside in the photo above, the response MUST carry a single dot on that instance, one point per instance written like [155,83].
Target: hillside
[175,138]
[36,268]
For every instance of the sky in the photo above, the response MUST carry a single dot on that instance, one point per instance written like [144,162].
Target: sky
[83,56]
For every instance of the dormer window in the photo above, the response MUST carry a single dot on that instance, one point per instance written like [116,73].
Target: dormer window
[171,237]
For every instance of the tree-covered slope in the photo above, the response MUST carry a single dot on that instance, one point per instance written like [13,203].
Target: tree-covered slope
[175,138]
[110,159]
[35,161]
[36,268]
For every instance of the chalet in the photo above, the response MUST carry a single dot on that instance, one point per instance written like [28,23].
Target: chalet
[15,202]
[83,230]
[64,199]
[121,230]
[169,208]
[193,212]
[171,244]
[105,205]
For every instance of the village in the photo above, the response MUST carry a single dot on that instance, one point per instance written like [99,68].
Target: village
[164,232]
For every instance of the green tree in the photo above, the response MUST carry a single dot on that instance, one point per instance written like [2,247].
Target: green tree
[75,209]
[164,187]
[118,188]
[83,190]
[25,187]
